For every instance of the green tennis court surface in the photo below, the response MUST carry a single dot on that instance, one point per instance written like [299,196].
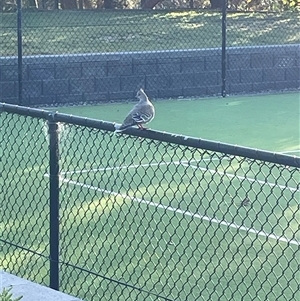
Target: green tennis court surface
[164,218]
[270,122]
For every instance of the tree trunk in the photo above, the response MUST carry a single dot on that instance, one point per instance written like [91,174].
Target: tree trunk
[68,4]
[149,4]
[32,3]
[216,4]
[108,4]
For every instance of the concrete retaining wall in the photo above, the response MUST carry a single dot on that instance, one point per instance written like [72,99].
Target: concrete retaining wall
[116,76]
[30,291]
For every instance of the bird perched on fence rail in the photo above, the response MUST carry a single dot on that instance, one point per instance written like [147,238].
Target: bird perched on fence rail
[142,113]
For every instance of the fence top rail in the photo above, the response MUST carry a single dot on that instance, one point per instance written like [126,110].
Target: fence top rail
[230,149]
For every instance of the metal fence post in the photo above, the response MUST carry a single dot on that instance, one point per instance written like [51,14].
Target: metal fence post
[54,203]
[224,11]
[19,37]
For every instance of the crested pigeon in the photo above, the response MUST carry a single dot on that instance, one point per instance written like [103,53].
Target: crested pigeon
[142,113]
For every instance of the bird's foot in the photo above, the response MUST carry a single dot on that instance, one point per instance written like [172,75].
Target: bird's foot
[141,127]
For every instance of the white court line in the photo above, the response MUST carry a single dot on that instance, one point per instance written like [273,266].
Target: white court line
[290,152]
[135,166]
[187,213]
[183,163]
[230,175]
[223,157]
[114,168]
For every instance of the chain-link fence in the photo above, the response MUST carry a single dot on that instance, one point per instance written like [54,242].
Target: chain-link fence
[57,56]
[145,216]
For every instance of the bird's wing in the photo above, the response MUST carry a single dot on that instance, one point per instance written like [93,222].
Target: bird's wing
[143,113]
[140,113]
[128,121]
[142,117]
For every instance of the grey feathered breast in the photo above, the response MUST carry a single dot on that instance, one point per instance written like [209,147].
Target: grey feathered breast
[143,112]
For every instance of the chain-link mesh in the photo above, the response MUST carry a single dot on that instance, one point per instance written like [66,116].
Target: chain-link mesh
[142,219]
[24,197]
[71,55]
[267,64]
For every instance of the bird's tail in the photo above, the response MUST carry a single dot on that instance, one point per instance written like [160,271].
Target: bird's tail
[120,127]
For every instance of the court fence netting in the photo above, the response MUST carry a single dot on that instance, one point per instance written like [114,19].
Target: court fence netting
[144,215]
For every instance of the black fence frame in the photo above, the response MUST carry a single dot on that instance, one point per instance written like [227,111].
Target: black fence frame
[211,145]
[54,118]
[20,49]
[228,64]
